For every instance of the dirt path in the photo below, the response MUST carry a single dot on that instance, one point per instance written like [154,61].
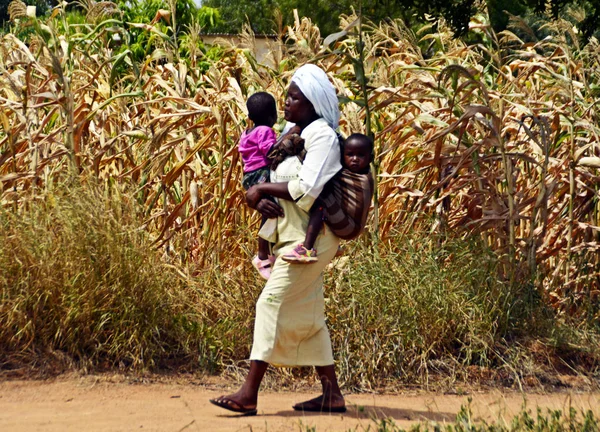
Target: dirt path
[93,404]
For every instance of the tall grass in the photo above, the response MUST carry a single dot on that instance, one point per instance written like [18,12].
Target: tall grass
[424,311]
[81,285]
[418,306]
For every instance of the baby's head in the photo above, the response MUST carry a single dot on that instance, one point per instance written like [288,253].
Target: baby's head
[357,153]
[262,109]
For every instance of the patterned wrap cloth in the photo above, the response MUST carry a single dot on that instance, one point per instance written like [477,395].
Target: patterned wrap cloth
[346,200]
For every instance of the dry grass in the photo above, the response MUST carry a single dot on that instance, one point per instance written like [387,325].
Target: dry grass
[83,286]
[496,141]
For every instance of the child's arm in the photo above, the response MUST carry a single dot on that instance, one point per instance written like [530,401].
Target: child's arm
[294,130]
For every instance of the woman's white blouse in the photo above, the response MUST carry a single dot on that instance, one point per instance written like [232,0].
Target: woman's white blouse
[322,162]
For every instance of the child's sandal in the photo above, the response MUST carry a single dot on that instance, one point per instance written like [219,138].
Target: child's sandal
[301,255]
[263,266]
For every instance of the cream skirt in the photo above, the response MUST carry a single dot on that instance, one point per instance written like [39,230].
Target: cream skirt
[290,328]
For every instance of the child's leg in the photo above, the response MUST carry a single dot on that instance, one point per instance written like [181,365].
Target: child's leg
[263,245]
[315,224]
[263,249]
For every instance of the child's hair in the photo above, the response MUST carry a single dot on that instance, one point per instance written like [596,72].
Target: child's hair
[363,139]
[262,109]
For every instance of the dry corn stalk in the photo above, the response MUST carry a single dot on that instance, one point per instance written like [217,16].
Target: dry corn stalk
[471,135]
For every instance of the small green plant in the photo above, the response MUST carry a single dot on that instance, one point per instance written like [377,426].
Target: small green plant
[306,428]
[550,421]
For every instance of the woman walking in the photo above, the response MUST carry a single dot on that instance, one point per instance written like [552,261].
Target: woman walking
[290,327]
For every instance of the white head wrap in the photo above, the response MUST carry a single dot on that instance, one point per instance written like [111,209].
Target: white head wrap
[314,84]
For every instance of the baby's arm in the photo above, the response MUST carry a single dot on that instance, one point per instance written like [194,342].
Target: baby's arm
[315,224]
[293,130]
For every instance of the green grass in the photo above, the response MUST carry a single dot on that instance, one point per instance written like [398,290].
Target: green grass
[418,305]
[525,421]
[424,310]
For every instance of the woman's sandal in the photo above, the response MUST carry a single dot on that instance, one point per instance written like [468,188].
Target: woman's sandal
[231,405]
[317,406]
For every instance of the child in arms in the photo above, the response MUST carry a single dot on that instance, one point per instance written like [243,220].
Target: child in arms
[254,146]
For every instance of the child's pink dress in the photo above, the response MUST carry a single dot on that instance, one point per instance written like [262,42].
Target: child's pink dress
[254,146]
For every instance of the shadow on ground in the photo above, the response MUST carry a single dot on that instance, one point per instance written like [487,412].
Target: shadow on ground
[374,413]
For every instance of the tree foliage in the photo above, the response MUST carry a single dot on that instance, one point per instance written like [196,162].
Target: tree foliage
[260,13]
[592,8]
[235,13]
[228,16]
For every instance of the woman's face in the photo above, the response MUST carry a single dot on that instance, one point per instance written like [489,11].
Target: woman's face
[298,108]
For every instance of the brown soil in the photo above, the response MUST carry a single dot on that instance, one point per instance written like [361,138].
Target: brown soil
[111,404]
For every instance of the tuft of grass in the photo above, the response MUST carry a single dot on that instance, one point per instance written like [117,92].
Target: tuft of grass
[416,309]
[549,421]
[82,284]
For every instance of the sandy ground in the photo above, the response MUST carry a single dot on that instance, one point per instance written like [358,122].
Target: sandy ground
[95,404]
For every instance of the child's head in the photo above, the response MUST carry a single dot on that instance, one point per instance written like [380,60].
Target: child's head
[357,153]
[262,109]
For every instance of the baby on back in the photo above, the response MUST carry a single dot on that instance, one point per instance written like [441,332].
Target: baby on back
[345,200]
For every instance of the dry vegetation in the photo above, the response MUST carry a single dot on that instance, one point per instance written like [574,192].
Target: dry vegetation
[495,141]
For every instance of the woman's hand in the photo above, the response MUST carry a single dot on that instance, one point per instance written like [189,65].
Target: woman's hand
[255,199]
[253,196]
[269,209]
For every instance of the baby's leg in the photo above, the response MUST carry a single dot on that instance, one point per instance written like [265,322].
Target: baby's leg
[263,245]
[315,224]
[305,253]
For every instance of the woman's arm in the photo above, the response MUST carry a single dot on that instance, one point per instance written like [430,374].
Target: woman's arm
[258,192]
